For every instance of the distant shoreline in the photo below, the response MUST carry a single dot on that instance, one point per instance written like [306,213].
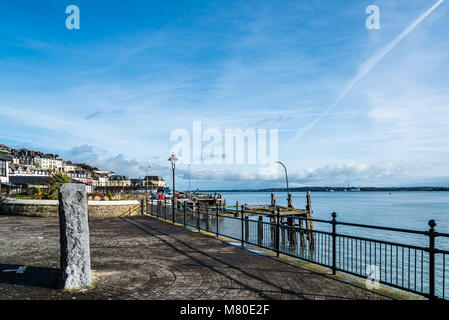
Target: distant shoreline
[336,189]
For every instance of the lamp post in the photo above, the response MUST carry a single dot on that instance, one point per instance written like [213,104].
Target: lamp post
[146,178]
[190,193]
[173,160]
[289,199]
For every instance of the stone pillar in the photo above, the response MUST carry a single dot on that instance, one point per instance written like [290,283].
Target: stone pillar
[74,236]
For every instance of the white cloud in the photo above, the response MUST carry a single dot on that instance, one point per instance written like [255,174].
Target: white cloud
[334,173]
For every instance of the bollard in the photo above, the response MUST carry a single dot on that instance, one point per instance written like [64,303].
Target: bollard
[74,237]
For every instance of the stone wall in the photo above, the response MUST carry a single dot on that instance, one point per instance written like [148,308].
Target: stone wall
[49,208]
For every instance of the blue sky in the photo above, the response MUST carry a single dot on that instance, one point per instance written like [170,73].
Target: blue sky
[111,93]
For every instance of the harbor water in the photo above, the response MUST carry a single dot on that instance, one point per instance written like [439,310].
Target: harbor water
[405,210]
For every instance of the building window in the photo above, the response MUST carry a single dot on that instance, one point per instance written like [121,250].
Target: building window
[3,168]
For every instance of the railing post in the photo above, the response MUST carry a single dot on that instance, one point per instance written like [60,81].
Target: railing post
[198,219]
[432,234]
[165,209]
[184,209]
[334,243]
[278,218]
[243,228]
[216,205]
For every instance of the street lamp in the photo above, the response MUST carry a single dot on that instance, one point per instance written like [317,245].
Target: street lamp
[289,199]
[146,178]
[173,160]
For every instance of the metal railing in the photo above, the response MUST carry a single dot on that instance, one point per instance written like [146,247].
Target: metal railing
[419,269]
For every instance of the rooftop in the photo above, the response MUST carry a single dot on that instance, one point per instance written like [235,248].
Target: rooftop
[5,157]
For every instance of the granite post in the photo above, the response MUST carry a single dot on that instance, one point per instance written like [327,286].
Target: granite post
[74,236]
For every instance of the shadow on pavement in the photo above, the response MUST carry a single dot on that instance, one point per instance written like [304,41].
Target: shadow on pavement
[31,277]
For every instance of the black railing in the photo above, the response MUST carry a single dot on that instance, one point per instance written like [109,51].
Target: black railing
[420,269]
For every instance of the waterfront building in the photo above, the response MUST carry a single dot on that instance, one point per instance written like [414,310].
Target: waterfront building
[119,181]
[28,182]
[27,170]
[82,176]
[5,160]
[70,167]
[153,182]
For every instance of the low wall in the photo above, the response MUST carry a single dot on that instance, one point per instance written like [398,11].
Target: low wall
[49,208]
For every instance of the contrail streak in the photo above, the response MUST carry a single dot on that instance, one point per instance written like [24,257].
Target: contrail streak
[363,70]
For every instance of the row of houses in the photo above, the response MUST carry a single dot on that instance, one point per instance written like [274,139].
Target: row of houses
[27,168]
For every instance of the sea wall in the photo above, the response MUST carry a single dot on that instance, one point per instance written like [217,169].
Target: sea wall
[49,208]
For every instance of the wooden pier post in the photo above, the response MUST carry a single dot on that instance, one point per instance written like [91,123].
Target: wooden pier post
[302,240]
[282,229]
[208,220]
[290,231]
[309,224]
[236,209]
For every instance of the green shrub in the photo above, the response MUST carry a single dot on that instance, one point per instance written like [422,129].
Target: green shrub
[56,181]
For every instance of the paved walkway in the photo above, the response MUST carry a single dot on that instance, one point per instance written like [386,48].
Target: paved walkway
[144,258]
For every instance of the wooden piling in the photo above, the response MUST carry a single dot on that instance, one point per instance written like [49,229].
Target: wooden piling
[282,229]
[309,224]
[236,208]
[208,220]
[293,237]
[302,240]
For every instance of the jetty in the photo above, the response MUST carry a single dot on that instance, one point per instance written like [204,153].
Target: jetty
[294,223]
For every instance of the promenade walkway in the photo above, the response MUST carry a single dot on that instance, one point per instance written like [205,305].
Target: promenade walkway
[145,258]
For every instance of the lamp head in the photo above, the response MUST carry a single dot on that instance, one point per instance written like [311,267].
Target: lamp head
[173,158]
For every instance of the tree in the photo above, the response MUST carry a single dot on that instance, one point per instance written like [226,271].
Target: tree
[36,193]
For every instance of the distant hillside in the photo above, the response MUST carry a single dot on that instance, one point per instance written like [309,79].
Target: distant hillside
[337,189]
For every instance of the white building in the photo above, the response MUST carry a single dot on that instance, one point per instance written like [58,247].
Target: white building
[49,163]
[4,168]
[70,167]
[23,170]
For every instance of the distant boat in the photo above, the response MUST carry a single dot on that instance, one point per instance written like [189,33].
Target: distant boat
[354,190]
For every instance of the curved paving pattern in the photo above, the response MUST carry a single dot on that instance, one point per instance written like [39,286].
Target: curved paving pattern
[144,258]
